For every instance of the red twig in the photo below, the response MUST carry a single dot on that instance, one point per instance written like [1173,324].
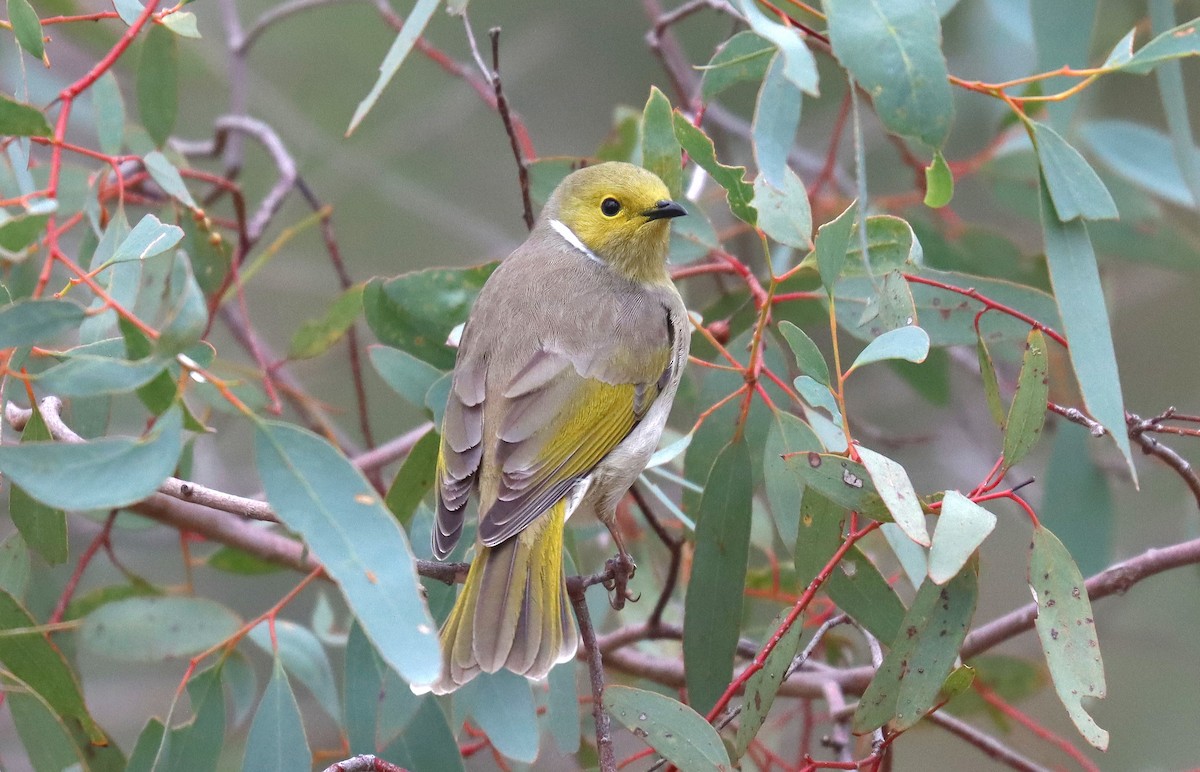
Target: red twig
[996,701]
[990,304]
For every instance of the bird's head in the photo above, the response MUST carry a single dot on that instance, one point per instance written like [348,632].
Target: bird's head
[620,213]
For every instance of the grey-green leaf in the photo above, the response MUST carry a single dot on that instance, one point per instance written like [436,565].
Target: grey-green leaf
[109,109]
[100,474]
[316,491]
[961,528]
[908,343]
[799,66]
[21,120]
[1142,155]
[743,57]
[27,27]
[776,118]
[908,682]
[158,83]
[151,629]
[1023,428]
[304,659]
[783,209]
[894,50]
[277,740]
[832,242]
[808,357]
[1074,187]
[660,148]
[673,729]
[414,25]
[1067,630]
[44,528]
[715,591]
[896,490]
[164,173]
[1080,297]
[502,705]
[762,687]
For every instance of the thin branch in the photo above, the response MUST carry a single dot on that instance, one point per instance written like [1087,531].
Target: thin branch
[1152,447]
[506,117]
[673,544]
[604,741]
[990,746]
[365,763]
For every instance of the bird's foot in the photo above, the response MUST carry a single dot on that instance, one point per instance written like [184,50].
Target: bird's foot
[620,569]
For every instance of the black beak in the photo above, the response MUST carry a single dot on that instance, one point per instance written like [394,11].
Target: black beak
[663,210]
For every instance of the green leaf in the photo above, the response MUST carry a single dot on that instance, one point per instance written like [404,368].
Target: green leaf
[167,176]
[362,682]
[414,479]
[20,232]
[808,357]
[1078,503]
[783,211]
[186,317]
[109,113]
[83,604]
[156,628]
[100,474]
[677,732]
[699,148]
[832,243]
[1067,631]
[22,120]
[315,491]
[315,336]
[128,10]
[43,528]
[182,23]
[303,658]
[991,386]
[1174,97]
[776,118]
[799,66]
[788,434]
[14,565]
[908,343]
[158,83]
[939,182]
[1173,44]
[961,528]
[26,27]
[148,238]
[842,481]
[34,659]
[910,679]
[1080,299]
[197,744]
[562,708]
[240,679]
[36,322]
[408,376]
[414,25]
[894,51]
[84,375]
[1011,678]
[762,687]
[235,561]
[660,149]
[416,311]
[1074,187]
[427,741]
[150,743]
[1023,428]
[713,603]
[502,705]
[277,740]
[43,733]
[1142,155]
[743,57]
[896,490]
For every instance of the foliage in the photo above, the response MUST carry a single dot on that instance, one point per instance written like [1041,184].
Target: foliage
[786,522]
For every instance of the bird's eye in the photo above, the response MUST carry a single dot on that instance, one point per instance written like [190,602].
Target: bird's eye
[610,207]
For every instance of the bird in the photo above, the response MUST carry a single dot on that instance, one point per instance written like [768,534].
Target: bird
[564,376]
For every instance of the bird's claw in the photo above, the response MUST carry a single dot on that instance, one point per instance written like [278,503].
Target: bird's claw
[620,570]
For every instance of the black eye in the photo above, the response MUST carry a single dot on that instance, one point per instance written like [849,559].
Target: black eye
[610,207]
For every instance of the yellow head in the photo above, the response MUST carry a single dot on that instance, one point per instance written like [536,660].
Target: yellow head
[621,213]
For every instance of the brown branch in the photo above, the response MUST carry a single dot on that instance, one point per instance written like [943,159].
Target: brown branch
[365,763]
[1138,429]
[991,747]
[576,589]
[506,117]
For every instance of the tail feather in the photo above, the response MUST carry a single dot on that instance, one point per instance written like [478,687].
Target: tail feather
[513,610]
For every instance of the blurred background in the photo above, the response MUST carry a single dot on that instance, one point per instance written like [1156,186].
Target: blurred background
[429,180]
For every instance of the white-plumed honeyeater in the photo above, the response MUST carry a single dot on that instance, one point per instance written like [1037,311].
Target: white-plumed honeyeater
[565,374]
